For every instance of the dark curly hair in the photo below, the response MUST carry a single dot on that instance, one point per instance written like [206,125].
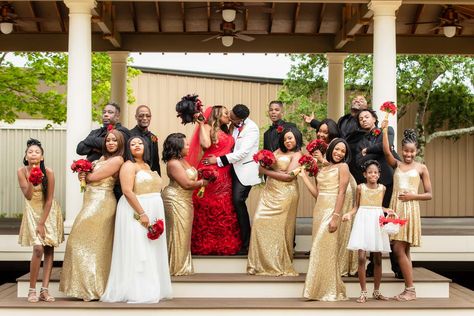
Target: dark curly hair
[187,107]
[370,162]
[409,137]
[298,139]
[241,111]
[372,112]
[173,146]
[34,142]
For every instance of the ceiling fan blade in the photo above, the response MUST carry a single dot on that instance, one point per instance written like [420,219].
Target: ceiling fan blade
[254,32]
[211,38]
[432,22]
[30,19]
[244,37]
[434,28]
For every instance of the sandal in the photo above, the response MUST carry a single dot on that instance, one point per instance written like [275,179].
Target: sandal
[32,297]
[378,296]
[363,297]
[44,295]
[408,294]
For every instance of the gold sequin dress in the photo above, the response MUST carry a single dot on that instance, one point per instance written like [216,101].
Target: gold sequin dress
[323,280]
[139,271]
[347,258]
[271,240]
[31,215]
[408,181]
[89,247]
[179,225]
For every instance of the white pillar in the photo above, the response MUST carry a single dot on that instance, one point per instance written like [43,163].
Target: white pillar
[385,56]
[118,82]
[335,85]
[79,100]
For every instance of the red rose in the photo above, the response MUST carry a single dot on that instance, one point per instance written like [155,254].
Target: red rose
[155,230]
[317,144]
[154,139]
[280,129]
[265,158]
[389,107]
[309,164]
[376,132]
[110,127]
[36,176]
[82,165]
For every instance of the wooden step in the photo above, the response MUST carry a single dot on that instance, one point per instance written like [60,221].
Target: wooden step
[236,285]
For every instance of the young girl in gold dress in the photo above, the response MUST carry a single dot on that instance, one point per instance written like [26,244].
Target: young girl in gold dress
[404,202]
[42,222]
[323,281]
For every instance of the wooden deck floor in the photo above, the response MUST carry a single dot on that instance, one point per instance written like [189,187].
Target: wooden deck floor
[461,298]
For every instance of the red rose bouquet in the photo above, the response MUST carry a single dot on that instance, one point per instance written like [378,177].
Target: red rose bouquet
[207,173]
[308,164]
[389,108]
[156,229]
[82,165]
[36,176]
[265,158]
[317,144]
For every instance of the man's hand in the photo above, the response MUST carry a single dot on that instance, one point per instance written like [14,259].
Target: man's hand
[308,118]
[210,160]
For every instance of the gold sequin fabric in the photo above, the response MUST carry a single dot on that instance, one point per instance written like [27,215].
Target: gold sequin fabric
[407,181]
[347,258]
[271,241]
[53,225]
[323,280]
[89,247]
[179,223]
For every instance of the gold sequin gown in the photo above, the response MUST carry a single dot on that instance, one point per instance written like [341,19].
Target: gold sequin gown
[31,215]
[323,280]
[89,247]
[407,181]
[271,240]
[179,214]
[139,271]
[347,258]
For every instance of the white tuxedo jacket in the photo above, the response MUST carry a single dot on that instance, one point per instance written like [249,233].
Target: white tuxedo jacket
[241,158]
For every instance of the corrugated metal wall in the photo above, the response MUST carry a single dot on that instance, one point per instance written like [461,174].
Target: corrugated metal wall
[450,163]
[13,145]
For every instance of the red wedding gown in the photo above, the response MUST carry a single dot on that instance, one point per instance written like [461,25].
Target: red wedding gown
[215,227]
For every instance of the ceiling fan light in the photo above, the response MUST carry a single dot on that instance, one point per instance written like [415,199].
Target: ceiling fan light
[227,41]
[228,15]
[6,27]
[449,31]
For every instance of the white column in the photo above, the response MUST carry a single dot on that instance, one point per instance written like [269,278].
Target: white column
[385,56]
[118,93]
[79,100]
[335,85]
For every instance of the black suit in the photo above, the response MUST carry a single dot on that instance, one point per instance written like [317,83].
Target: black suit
[152,143]
[271,137]
[92,147]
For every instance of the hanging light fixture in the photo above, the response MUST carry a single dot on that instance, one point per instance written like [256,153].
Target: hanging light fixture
[6,27]
[7,13]
[227,40]
[449,30]
[228,15]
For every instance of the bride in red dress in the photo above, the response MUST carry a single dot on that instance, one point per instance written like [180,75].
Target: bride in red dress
[215,226]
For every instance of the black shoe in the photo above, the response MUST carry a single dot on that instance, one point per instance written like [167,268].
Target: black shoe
[398,275]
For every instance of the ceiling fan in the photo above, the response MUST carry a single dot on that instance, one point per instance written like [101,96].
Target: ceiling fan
[228,34]
[229,9]
[8,18]
[451,20]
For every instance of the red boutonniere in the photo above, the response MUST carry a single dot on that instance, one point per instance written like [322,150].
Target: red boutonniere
[110,127]
[154,139]
[280,129]
[376,132]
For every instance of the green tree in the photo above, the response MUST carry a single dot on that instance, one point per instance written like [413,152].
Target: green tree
[39,88]
[439,87]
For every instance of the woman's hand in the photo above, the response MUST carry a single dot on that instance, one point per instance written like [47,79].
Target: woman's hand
[346,217]
[333,224]
[318,155]
[384,124]
[364,152]
[40,230]
[406,196]
[144,220]
[261,170]
[81,176]
[204,182]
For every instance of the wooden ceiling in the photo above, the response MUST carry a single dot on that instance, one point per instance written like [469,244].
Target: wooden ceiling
[181,26]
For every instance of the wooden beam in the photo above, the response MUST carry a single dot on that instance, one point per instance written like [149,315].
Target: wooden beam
[60,17]
[134,16]
[270,22]
[102,15]
[321,17]
[295,17]
[158,16]
[183,16]
[352,23]
[32,7]
[419,11]
[246,19]
[208,16]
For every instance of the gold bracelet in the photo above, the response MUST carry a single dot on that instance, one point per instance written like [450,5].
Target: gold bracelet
[142,214]
[337,214]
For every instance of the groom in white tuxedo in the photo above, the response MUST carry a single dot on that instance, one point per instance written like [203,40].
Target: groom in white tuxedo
[244,169]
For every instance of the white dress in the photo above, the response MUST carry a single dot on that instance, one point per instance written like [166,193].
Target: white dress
[139,270]
[366,232]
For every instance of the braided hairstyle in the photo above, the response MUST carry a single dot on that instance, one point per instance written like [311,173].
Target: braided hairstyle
[35,142]
[370,162]
[409,137]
